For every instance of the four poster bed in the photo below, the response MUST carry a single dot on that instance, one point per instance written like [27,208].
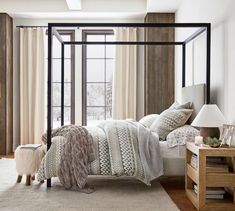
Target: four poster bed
[130,148]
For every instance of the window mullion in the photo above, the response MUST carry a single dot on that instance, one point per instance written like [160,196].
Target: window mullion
[105,117]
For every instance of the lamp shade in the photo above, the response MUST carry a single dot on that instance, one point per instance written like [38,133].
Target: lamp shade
[209,116]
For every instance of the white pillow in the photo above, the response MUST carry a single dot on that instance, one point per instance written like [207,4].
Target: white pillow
[181,135]
[176,105]
[169,120]
[148,120]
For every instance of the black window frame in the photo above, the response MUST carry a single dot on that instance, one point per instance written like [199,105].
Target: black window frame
[86,32]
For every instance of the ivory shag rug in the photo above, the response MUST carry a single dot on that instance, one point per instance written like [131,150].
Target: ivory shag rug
[111,194]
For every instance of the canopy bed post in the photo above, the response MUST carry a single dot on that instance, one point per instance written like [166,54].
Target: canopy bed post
[208,62]
[205,27]
[183,64]
[52,31]
[49,94]
[62,84]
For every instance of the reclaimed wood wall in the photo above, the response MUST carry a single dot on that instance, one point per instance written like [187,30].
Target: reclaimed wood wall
[6,84]
[159,65]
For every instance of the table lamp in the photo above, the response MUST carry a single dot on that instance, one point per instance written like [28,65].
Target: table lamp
[209,119]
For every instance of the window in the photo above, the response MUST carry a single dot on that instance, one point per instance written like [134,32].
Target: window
[98,66]
[69,80]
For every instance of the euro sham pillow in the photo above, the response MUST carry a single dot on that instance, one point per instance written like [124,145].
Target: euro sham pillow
[181,136]
[169,120]
[176,105]
[148,120]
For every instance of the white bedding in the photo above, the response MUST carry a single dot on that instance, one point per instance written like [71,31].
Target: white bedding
[173,152]
[173,159]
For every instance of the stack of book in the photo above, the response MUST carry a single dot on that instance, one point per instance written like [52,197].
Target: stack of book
[217,168]
[193,161]
[216,165]
[213,164]
[212,193]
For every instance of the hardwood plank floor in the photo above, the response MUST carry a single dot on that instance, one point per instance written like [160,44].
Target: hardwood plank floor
[174,186]
[7,156]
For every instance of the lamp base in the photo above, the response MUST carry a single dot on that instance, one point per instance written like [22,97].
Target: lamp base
[212,132]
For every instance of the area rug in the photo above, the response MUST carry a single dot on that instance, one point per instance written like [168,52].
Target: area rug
[111,194]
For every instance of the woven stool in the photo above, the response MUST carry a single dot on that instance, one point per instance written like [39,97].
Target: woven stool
[28,162]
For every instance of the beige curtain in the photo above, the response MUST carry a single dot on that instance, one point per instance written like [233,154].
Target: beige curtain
[32,85]
[125,76]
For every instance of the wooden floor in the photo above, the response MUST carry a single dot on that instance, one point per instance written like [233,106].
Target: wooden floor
[7,156]
[174,186]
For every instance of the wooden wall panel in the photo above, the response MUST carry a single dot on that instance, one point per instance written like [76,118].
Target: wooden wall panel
[2,86]
[159,65]
[6,84]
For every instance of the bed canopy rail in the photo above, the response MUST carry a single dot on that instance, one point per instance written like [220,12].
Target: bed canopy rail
[52,30]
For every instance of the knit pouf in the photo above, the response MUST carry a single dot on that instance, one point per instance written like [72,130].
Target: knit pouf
[28,162]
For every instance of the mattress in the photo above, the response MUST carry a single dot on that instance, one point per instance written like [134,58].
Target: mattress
[173,159]
[174,152]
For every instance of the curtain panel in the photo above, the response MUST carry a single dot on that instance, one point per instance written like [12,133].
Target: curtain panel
[32,85]
[125,76]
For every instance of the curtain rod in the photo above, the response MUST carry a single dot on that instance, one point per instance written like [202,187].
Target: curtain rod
[31,26]
[21,26]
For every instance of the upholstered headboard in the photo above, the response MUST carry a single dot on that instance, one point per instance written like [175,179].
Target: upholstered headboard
[195,94]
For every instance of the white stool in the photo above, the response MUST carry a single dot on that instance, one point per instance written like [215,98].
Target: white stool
[28,162]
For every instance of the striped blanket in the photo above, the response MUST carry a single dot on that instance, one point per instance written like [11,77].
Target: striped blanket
[122,148]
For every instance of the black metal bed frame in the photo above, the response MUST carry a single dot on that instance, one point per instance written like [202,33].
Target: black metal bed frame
[203,27]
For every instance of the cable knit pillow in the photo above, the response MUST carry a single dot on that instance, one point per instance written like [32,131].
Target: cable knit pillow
[148,120]
[181,135]
[169,120]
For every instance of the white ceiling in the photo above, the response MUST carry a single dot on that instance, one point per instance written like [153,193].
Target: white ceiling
[90,8]
[163,5]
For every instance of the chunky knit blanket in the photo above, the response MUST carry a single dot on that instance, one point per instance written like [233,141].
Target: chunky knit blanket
[76,153]
[121,148]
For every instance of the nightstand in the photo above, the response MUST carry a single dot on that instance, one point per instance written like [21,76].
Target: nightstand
[202,178]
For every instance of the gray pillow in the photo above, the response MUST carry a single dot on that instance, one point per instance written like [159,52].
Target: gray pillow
[148,120]
[169,120]
[181,135]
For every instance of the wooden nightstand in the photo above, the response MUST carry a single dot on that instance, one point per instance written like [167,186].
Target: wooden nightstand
[200,177]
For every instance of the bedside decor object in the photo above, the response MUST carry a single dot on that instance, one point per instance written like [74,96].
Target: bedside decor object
[212,142]
[209,119]
[227,135]
[198,140]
